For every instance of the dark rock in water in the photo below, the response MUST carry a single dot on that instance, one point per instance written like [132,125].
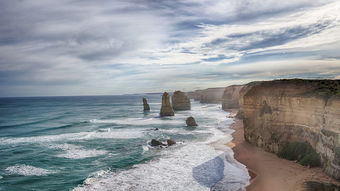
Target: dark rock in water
[146,105]
[180,101]
[170,142]
[155,143]
[166,109]
[156,129]
[191,122]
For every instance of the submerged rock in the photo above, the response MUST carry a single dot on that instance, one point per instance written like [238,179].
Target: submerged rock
[191,122]
[170,142]
[146,105]
[155,143]
[166,109]
[180,101]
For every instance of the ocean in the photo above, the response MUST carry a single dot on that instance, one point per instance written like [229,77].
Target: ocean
[102,143]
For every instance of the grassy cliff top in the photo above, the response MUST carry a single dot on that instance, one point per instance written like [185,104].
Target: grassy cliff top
[295,87]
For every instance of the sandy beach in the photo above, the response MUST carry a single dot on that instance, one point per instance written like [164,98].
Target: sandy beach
[269,172]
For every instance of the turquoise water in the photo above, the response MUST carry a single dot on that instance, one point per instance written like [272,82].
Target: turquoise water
[101,143]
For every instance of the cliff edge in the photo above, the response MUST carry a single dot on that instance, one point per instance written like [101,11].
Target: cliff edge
[276,113]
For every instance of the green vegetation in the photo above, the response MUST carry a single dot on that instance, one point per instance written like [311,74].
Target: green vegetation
[303,153]
[337,155]
[319,186]
[323,88]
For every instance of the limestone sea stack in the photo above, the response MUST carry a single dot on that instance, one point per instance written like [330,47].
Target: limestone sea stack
[146,105]
[166,109]
[191,122]
[180,101]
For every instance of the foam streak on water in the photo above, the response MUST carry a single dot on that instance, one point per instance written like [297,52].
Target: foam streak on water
[101,143]
[192,166]
[27,170]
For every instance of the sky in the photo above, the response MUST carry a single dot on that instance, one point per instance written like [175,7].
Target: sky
[106,47]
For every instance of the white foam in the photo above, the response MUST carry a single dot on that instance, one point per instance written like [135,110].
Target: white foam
[174,169]
[77,152]
[138,121]
[1,177]
[116,134]
[27,170]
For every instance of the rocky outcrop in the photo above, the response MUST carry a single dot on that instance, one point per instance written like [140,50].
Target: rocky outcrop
[231,96]
[146,105]
[156,143]
[180,101]
[284,111]
[170,142]
[166,108]
[210,95]
[191,122]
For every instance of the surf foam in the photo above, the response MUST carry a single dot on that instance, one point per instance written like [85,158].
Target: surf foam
[116,134]
[27,170]
[77,152]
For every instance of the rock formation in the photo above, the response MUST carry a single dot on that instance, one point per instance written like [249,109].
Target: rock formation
[210,95]
[191,122]
[231,95]
[280,112]
[170,142]
[146,105]
[155,143]
[243,92]
[180,101]
[166,108]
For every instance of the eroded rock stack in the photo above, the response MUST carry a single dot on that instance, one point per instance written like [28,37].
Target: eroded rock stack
[146,105]
[180,101]
[191,122]
[166,109]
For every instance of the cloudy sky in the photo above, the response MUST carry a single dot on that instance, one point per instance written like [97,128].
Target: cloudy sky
[103,47]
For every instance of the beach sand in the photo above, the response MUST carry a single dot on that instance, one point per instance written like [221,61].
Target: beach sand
[268,172]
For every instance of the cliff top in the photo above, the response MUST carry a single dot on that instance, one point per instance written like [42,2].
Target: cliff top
[297,87]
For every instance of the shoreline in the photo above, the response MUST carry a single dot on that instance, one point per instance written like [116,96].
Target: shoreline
[269,172]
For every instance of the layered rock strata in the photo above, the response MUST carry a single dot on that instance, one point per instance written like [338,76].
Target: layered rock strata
[284,111]
[166,108]
[210,95]
[180,101]
[231,96]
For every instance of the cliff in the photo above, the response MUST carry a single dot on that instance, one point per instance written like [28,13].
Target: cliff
[180,101]
[210,95]
[230,98]
[285,111]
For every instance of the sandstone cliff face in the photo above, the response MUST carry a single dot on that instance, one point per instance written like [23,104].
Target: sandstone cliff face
[231,95]
[243,91]
[284,111]
[180,101]
[166,108]
[210,95]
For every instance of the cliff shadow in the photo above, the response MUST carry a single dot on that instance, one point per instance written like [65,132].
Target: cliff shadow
[209,173]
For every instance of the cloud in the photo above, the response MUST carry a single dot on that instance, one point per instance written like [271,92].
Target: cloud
[69,47]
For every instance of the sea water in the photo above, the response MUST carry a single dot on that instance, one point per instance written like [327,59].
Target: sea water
[102,143]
